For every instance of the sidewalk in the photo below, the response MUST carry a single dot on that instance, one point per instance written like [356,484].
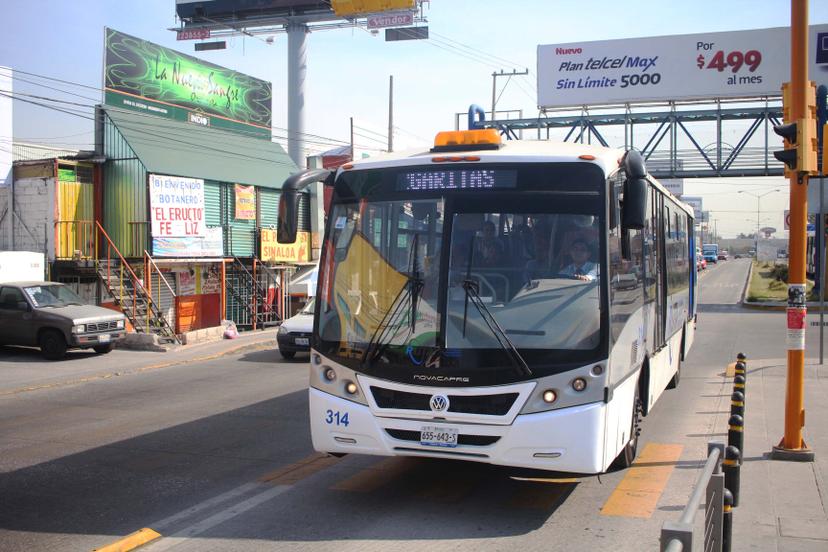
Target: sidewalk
[783,505]
[25,370]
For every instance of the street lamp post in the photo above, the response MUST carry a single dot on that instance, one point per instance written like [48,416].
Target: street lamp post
[758,199]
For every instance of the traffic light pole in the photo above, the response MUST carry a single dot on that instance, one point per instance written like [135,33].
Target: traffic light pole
[792,446]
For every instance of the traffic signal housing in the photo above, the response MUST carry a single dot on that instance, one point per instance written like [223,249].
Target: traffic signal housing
[800,153]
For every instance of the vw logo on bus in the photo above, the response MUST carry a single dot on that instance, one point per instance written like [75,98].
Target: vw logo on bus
[439,403]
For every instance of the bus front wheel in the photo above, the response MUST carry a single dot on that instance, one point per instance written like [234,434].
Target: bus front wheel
[630,450]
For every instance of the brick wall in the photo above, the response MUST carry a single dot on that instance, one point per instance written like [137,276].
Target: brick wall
[32,229]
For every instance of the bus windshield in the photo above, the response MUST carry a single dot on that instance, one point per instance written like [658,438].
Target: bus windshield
[442,284]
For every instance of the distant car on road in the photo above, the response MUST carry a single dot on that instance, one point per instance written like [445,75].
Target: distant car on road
[295,332]
[722,256]
[51,316]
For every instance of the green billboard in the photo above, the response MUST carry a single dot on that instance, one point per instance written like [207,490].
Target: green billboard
[142,76]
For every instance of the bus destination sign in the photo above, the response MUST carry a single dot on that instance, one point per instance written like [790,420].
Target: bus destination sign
[470,179]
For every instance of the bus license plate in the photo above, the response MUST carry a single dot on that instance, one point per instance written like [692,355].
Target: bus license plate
[438,436]
[302,341]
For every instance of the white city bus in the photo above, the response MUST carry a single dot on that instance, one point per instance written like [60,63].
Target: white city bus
[518,303]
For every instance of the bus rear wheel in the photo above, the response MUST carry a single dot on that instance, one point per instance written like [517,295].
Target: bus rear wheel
[630,450]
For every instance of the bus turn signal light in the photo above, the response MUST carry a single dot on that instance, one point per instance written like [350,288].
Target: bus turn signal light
[459,140]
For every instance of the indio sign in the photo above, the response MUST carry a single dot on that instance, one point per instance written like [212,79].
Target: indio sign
[273,251]
[146,77]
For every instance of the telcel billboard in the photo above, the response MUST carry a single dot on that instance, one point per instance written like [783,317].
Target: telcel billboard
[145,77]
[710,65]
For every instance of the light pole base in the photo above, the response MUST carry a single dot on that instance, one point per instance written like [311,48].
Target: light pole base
[803,454]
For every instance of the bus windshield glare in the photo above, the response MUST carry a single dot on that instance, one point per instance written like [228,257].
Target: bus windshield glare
[439,276]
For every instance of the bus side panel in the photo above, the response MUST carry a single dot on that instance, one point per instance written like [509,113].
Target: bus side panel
[619,419]
[663,366]
[689,336]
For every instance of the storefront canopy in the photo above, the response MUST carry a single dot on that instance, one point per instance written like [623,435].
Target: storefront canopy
[183,149]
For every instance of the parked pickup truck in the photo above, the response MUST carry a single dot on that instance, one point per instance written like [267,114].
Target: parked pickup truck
[51,316]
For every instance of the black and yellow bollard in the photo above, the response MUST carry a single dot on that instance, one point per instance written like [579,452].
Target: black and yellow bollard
[741,370]
[730,467]
[739,385]
[727,520]
[736,432]
[737,404]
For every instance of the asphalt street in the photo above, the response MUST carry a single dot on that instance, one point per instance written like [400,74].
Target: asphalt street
[215,454]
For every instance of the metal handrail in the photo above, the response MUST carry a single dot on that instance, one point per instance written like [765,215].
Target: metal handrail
[82,239]
[710,467]
[149,258]
[676,535]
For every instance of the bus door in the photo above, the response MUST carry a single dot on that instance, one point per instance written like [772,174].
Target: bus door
[659,254]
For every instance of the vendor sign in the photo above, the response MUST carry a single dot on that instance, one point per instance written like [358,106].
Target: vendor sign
[176,206]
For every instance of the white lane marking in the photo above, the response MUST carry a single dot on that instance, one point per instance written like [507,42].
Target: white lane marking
[238,491]
[228,513]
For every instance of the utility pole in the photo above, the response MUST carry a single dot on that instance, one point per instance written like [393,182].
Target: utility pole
[792,446]
[502,73]
[391,114]
[352,138]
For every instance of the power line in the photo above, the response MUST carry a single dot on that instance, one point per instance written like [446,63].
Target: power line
[251,133]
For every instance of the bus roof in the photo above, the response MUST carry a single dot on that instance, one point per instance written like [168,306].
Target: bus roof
[512,151]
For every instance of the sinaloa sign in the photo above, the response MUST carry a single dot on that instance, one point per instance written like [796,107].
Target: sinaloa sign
[176,207]
[709,65]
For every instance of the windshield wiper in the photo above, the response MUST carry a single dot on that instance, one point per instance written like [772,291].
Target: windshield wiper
[409,292]
[472,292]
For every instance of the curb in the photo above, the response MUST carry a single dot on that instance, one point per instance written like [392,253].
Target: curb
[263,343]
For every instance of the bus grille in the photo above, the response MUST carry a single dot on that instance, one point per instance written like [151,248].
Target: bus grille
[489,405]
[473,440]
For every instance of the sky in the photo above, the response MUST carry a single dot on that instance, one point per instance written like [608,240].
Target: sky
[348,69]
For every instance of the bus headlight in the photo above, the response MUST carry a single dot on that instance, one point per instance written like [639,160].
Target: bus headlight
[579,384]
[549,396]
[335,379]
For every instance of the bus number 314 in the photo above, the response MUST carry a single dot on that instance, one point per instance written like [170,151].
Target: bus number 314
[337,418]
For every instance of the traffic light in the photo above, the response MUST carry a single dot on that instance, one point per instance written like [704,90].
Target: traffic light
[800,153]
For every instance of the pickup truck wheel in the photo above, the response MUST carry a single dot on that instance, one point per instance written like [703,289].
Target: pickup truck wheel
[103,349]
[52,345]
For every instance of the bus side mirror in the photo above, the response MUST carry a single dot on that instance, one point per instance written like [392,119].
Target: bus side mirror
[288,222]
[634,214]
[288,216]
[614,207]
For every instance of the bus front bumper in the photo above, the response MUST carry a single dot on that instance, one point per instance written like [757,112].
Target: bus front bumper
[566,440]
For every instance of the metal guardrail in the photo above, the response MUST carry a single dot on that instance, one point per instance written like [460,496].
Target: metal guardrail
[719,482]
[677,536]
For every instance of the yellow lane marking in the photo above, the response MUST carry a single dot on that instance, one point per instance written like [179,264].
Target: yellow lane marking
[542,494]
[293,473]
[130,542]
[376,476]
[638,493]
